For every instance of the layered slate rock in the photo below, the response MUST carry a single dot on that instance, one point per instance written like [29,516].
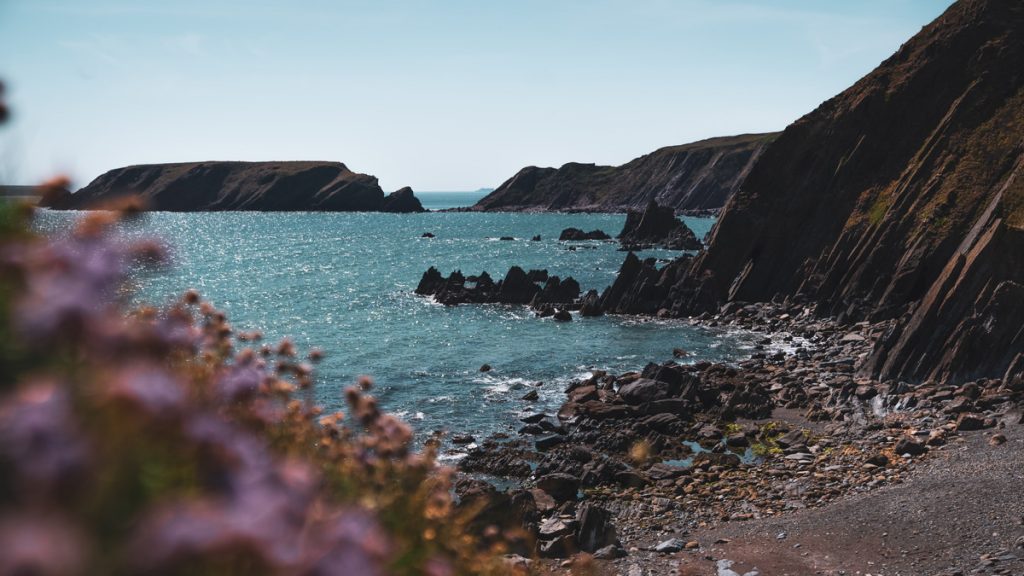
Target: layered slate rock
[259,186]
[691,177]
[900,198]
[656,227]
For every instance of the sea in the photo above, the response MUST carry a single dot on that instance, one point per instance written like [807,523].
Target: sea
[344,282]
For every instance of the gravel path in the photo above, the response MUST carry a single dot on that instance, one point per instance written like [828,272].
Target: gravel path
[961,512]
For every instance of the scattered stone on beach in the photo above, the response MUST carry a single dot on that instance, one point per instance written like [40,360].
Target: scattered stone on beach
[562,487]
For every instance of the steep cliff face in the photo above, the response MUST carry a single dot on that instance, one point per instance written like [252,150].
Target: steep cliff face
[691,177]
[219,186]
[899,198]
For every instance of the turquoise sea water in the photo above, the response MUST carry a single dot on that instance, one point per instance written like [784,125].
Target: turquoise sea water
[345,282]
[443,200]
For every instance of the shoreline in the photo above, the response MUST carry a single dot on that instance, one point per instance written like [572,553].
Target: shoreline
[829,437]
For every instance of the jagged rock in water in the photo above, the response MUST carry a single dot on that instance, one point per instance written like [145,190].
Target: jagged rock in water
[590,304]
[517,287]
[657,226]
[221,186]
[402,201]
[556,291]
[431,282]
[640,288]
[575,234]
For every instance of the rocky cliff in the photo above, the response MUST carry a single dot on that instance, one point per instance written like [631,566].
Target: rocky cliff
[691,177]
[260,186]
[902,197]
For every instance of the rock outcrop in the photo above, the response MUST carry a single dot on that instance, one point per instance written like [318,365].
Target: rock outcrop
[900,198]
[575,235]
[656,227]
[536,288]
[402,201]
[692,177]
[258,186]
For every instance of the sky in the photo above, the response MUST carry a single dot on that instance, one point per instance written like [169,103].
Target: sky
[444,95]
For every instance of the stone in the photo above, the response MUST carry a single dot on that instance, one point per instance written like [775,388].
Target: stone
[791,438]
[909,446]
[554,527]
[669,546]
[610,552]
[546,443]
[559,547]
[596,530]
[562,487]
[644,390]
[533,418]
[968,422]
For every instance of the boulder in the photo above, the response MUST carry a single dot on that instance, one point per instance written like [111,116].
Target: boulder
[561,487]
[645,390]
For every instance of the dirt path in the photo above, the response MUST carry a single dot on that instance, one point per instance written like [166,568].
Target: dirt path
[962,512]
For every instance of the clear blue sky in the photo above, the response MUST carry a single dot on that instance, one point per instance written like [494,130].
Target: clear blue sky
[446,95]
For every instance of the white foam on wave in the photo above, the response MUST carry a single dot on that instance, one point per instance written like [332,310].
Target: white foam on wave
[497,386]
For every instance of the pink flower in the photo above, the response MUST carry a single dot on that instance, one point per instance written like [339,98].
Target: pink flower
[40,545]
[39,435]
[149,389]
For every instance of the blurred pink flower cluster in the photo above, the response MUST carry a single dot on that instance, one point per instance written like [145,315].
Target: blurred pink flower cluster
[162,441]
